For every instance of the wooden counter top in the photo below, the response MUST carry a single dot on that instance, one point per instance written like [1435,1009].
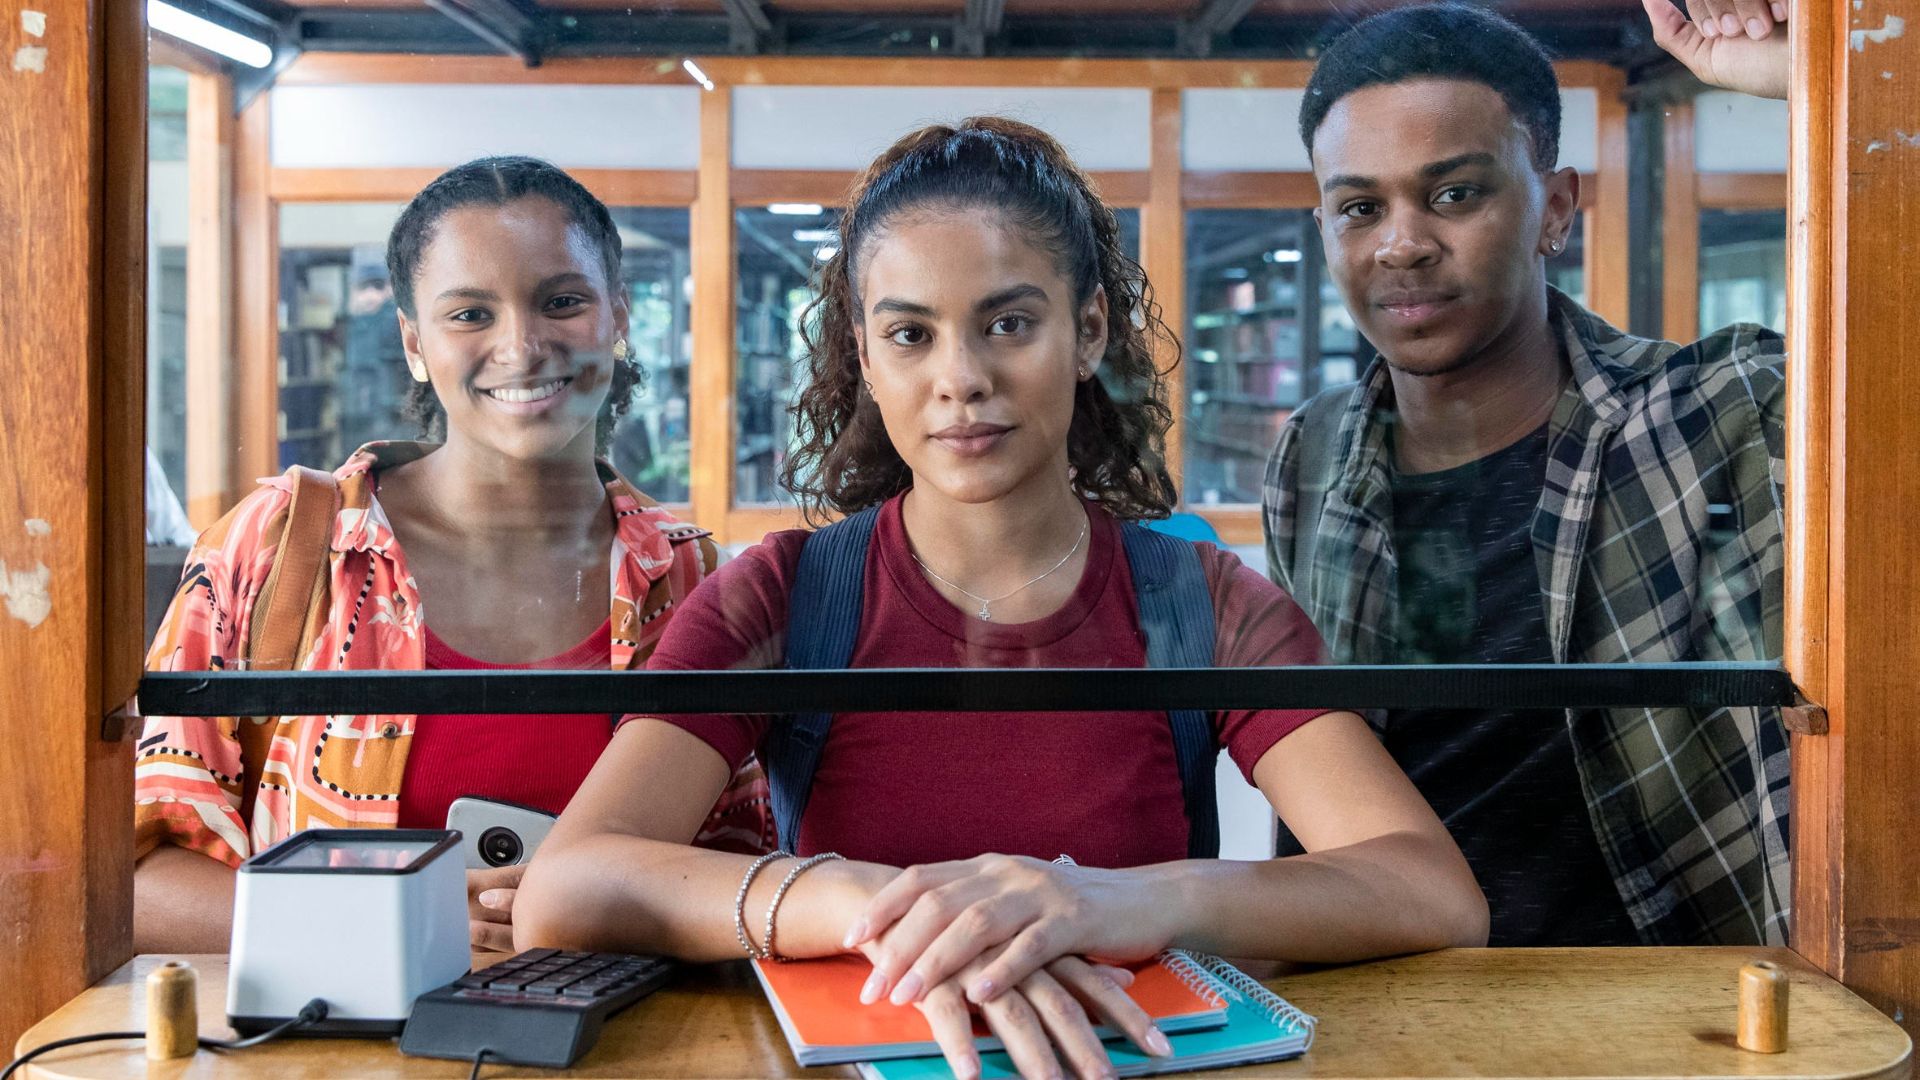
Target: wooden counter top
[1464,1012]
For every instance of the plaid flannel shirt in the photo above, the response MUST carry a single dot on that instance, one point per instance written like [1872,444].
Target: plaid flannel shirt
[1690,806]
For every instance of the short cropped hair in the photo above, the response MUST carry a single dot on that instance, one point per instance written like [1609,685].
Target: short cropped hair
[1442,41]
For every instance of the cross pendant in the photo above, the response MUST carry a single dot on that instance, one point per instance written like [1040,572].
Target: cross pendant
[984,617]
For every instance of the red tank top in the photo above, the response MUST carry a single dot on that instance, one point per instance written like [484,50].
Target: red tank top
[534,759]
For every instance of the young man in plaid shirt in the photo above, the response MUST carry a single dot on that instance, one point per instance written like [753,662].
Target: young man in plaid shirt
[1515,481]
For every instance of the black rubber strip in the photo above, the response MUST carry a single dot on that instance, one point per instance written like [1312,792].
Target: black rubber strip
[1477,686]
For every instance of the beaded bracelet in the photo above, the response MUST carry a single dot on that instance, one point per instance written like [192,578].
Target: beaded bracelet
[740,904]
[780,893]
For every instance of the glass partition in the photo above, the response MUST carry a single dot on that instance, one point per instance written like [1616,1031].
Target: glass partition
[1266,330]
[343,375]
[1743,268]
[1436,559]
[779,248]
[167,224]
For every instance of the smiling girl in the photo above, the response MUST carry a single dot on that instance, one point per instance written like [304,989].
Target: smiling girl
[983,396]
[491,547]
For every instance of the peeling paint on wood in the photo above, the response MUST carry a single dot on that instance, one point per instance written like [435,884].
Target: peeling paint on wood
[25,592]
[1892,27]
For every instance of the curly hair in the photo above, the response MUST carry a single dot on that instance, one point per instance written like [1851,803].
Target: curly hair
[497,181]
[1447,41]
[1116,444]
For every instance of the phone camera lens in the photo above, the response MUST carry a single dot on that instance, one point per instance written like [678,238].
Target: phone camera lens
[500,846]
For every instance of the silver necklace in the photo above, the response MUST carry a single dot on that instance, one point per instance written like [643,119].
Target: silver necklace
[983,614]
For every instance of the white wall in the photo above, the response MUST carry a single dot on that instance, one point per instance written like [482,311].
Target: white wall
[167,219]
[401,125]
[845,127]
[841,127]
[1242,131]
[1737,133]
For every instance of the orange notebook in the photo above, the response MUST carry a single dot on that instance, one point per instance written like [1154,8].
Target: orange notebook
[818,1005]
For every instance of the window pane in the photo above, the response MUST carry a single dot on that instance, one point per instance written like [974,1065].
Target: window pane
[167,218]
[650,447]
[1743,268]
[1265,331]
[343,377]
[779,246]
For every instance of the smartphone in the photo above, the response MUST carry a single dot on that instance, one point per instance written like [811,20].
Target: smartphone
[494,832]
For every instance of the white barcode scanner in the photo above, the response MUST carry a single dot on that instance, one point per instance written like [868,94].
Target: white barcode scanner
[365,919]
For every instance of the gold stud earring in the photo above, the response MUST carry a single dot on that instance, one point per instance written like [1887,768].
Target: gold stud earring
[1081,372]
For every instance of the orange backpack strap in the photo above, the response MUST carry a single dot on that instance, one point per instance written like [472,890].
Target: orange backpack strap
[280,614]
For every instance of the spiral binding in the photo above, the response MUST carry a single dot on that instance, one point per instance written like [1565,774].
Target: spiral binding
[1192,973]
[1198,969]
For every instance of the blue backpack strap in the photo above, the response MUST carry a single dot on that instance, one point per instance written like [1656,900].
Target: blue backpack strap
[1176,614]
[823,620]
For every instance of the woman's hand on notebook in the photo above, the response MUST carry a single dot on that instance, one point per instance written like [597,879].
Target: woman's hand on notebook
[1042,1020]
[934,921]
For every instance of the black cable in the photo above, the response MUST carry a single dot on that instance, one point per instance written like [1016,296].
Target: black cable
[311,1013]
[74,1041]
[479,1057]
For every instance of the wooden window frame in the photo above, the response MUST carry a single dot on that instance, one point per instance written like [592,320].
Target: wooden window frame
[1685,192]
[1164,192]
[209,490]
[74,461]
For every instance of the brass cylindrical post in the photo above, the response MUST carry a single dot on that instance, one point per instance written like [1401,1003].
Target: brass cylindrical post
[1763,1008]
[173,1012]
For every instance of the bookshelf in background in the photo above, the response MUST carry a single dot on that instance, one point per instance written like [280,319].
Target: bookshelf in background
[313,305]
[1266,331]
[779,247]
[652,445]
[343,376]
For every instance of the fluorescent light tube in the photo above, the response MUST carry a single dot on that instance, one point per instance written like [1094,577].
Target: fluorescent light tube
[195,30]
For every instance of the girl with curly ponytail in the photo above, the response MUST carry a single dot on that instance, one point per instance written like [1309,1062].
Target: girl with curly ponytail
[984,407]
[1116,443]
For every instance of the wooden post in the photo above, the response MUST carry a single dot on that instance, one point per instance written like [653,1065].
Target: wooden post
[1607,264]
[1853,589]
[255,371]
[1163,254]
[710,408]
[1679,229]
[72,299]
[210,355]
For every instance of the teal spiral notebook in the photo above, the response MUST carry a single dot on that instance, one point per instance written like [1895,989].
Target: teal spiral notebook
[1261,1026]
